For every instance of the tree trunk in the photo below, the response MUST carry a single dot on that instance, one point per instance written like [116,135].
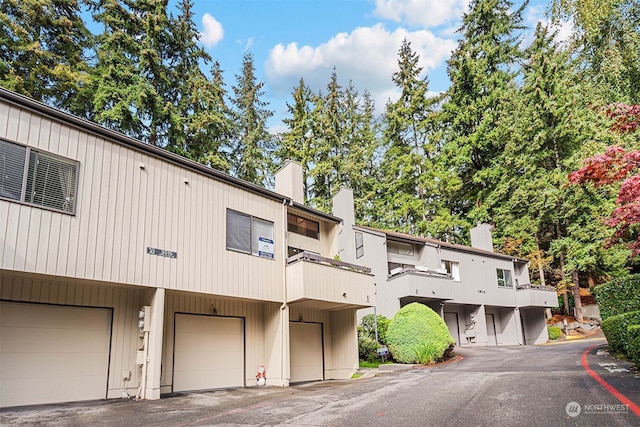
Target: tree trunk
[577,301]
[565,295]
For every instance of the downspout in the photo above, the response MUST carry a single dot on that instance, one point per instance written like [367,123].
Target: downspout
[284,306]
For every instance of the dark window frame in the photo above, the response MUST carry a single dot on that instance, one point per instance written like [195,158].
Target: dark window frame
[303,226]
[44,180]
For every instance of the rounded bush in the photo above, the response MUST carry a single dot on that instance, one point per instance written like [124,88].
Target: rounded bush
[418,335]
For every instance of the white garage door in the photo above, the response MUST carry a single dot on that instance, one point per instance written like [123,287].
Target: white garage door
[53,353]
[306,352]
[209,352]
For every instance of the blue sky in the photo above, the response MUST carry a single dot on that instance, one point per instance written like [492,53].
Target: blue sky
[308,38]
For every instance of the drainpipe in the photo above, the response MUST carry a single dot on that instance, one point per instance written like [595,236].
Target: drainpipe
[284,306]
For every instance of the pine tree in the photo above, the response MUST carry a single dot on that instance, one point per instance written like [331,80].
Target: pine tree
[296,143]
[328,144]
[252,144]
[202,127]
[43,50]
[407,186]
[482,70]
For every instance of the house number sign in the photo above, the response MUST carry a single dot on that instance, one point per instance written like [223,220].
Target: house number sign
[162,252]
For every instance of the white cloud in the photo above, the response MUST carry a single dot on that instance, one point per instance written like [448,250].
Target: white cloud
[535,14]
[424,13]
[213,31]
[367,56]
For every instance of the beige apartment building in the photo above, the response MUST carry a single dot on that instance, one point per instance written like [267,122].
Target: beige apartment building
[126,270]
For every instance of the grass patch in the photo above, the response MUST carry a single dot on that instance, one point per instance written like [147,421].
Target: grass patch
[356,376]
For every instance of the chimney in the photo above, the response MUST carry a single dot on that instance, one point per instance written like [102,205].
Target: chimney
[481,237]
[289,181]
[343,208]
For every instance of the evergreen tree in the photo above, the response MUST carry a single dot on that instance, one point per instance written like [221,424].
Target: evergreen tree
[43,50]
[296,143]
[482,70]
[328,144]
[203,125]
[252,144]
[408,186]
[117,83]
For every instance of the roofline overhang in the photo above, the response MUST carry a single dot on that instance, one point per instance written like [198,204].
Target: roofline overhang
[122,139]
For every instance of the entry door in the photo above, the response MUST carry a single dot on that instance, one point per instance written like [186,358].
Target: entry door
[491,330]
[307,363]
[209,352]
[451,319]
[51,353]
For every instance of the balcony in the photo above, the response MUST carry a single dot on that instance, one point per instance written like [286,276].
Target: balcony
[327,284]
[529,295]
[420,282]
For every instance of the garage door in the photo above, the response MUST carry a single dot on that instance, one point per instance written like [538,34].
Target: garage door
[306,352]
[209,352]
[53,353]
[451,319]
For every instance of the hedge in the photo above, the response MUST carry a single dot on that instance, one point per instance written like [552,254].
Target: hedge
[618,296]
[554,332]
[616,329]
[418,335]
[633,346]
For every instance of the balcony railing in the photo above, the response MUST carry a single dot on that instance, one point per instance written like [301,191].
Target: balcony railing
[328,284]
[309,256]
[423,283]
[537,287]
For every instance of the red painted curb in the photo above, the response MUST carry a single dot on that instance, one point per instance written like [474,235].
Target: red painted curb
[621,397]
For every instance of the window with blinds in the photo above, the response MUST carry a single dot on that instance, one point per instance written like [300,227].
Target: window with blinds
[250,235]
[37,178]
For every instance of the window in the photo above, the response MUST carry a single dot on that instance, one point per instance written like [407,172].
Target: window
[399,248]
[249,234]
[304,226]
[359,244]
[452,268]
[38,178]
[504,278]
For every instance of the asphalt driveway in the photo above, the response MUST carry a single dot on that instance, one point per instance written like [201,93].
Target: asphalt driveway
[531,386]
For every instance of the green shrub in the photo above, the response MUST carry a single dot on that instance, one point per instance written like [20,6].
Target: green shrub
[367,348]
[616,329]
[369,327]
[633,345]
[418,329]
[621,295]
[555,332]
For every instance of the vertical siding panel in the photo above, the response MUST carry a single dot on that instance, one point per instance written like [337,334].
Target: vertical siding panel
[90,211]
[29,132]
[32,230]
[111,212]
[104,209]
[136,237]
[4,120]
[176,226]
[63,225]
[11,226]
[148,178]
[123,225]
[13,129]
[77,234]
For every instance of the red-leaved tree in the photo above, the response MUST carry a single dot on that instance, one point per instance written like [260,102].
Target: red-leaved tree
[619,165]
